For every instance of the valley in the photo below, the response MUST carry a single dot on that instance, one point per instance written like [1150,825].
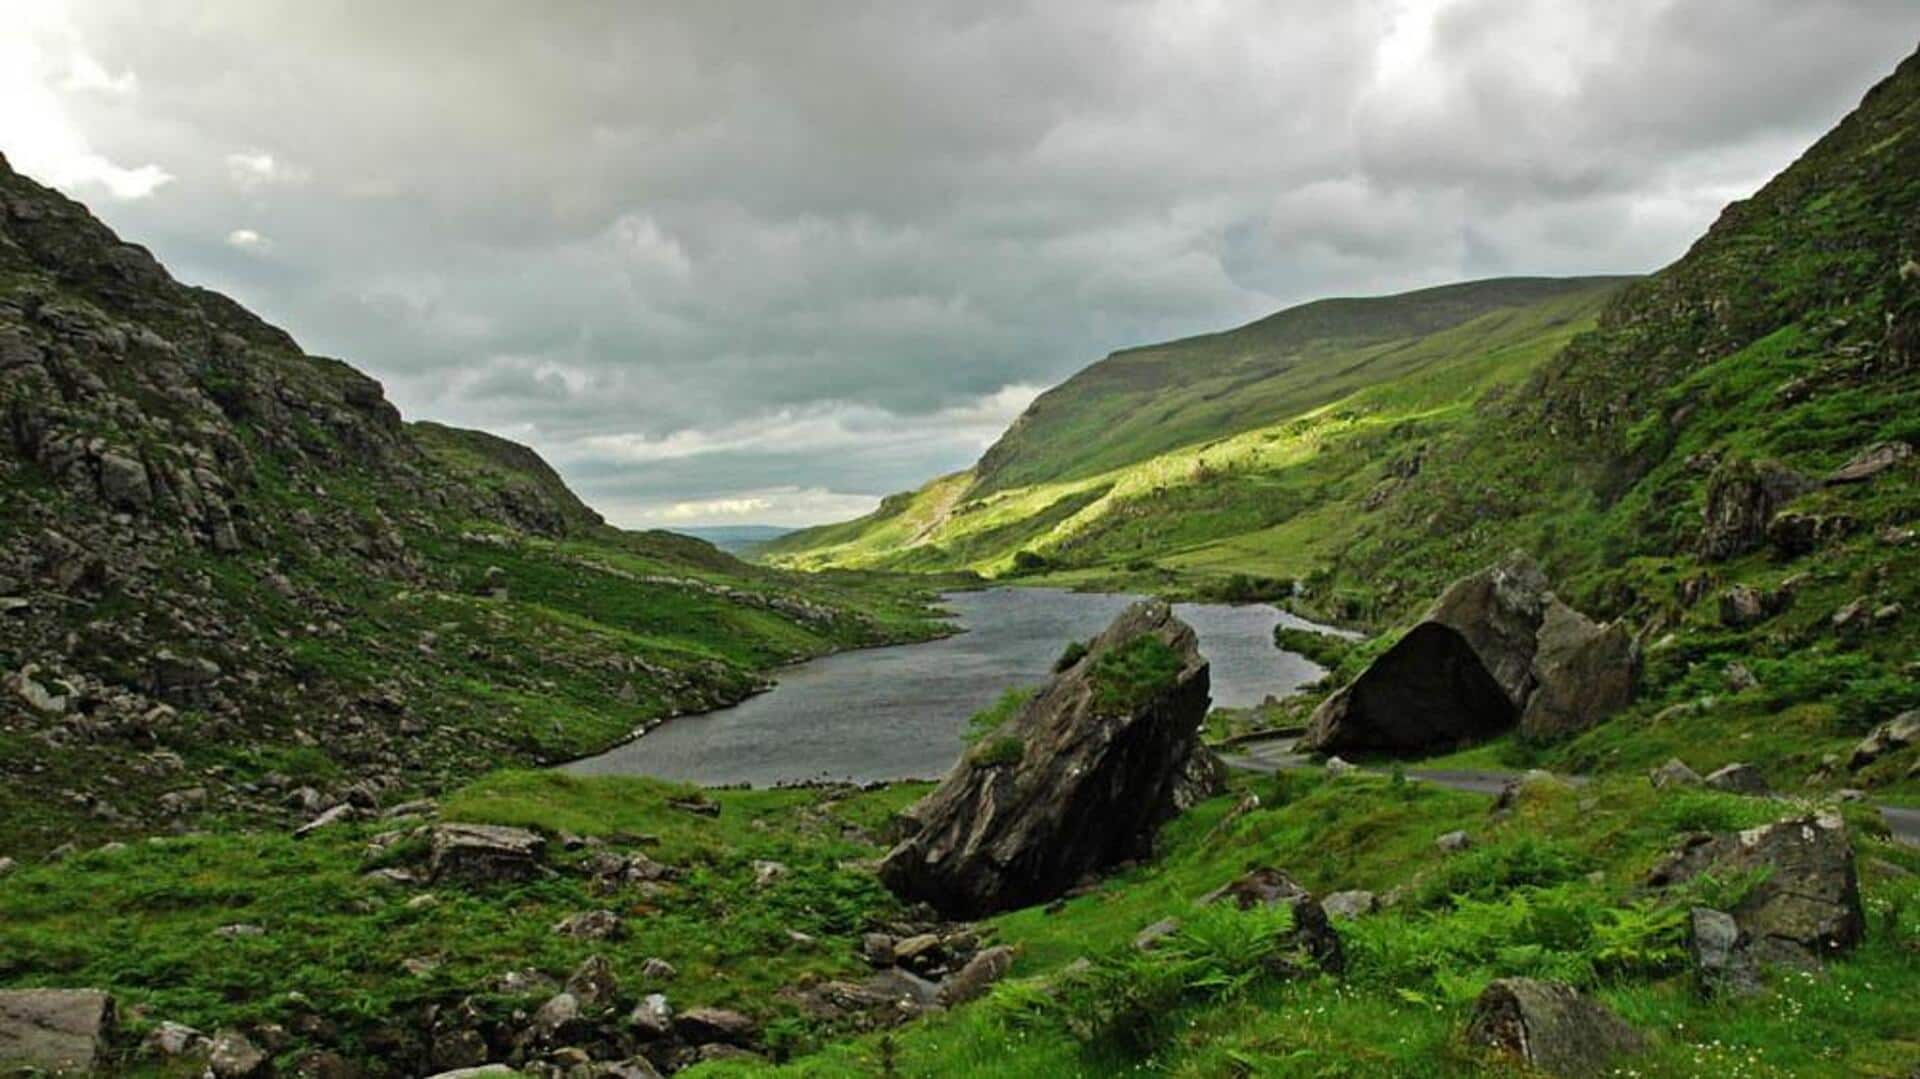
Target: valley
[1508,678]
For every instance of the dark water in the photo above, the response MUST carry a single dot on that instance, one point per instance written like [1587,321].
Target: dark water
[898,713]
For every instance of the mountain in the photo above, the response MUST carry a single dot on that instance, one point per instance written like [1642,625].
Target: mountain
[1141,402]
[1176,451]
[234,582]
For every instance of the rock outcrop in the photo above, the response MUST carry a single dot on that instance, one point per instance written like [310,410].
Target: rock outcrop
[1101,752]
[1551,1027]
[62,1031]
[1803,904]
[1495,650]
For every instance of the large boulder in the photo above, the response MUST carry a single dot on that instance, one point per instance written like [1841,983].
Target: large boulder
[1499,611]
[1495,649]
[1804,903]
[1583,671]
[1550,1027]
[63,1031]
[1429,690]
[1097,760]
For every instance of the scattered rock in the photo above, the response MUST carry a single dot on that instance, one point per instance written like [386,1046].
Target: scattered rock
[1674,773]
[235,1056]
[1742,498]
[973,980]
[1870,462]
[485,853]
[55,1030]
[1351,904]
[591,925]
[1339,766]
[175,1040]
[1739,778]
[1722,966]
[1740,679]
[1148,938]
[345,811]
[1550,1026]
[1093,782]
[652,1018]
[657,970]
[592,984]
[230,932]
[1313,939]
[701,1026]
[1892,736]
[766,872]
[1454,841]
[484,1071]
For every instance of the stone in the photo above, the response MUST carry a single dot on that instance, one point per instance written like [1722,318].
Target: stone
[1583,672]
[1739,778]
[1428,691]
[701,1026]
[1805,900]
[988,966]
[485,853]
[484,1071]
[1499,612]
[1739,678]
[1870,462]
[235,1056]
[1150,937]
[345,811]
[1312,939]
[657,970]
[1721,966]
[1892,736]
[913,950]
[1674,773]
[241,929]
[1551,1027]
[1742,499]
[877,949]
[55,1030]
[124,483]
[1453,842]
[1350,904]
[1744,605]
[652,1018]
[593,984]
[1339,766]
[171,1039]
[1094,780]
[591,925]
[766,872]
[557,1020]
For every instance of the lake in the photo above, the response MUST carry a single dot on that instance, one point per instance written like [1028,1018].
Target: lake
[898,712]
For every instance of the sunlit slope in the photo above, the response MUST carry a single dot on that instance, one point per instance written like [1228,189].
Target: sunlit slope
[1141,402]
[1229,500]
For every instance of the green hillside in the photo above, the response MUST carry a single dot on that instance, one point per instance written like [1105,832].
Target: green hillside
[1322,407]
[1143,401]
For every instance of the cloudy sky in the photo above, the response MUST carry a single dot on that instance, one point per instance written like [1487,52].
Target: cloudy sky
[763,262]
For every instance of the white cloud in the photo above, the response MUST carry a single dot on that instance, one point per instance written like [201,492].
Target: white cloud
[789,506]
[256,168]
[246,240]
[37,130]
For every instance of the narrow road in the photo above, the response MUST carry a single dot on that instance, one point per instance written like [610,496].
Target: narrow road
[1277,755]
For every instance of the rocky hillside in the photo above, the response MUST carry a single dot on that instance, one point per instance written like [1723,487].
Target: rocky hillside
[232,580]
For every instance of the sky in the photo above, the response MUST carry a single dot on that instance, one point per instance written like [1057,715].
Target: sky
[750,262]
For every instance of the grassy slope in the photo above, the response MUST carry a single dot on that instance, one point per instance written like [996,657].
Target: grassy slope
[1141,402]
[1228,502]
[1548,891]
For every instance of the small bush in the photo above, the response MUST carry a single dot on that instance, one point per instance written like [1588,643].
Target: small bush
[1072,654]
[1005,749]
[995,716]
[1128,676]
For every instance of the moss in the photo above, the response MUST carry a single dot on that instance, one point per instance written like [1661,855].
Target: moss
[1130,675]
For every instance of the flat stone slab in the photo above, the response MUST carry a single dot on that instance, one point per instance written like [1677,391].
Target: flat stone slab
[63,1031]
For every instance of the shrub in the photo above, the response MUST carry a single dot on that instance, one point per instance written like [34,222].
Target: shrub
[1128,676]
[994,716]
[1072,654]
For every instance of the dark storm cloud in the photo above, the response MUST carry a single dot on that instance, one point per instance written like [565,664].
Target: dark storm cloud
[770,260]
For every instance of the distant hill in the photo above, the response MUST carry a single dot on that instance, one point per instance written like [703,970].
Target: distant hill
[1144,401]
[736,539]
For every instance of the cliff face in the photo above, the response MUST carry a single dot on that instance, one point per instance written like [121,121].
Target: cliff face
[223,561]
